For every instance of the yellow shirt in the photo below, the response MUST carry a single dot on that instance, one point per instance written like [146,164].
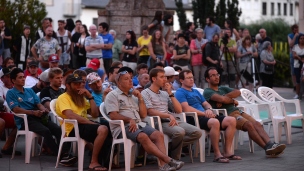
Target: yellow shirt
[142,41]
[65,102]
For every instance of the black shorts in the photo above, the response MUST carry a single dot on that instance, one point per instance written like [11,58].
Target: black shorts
[87,132]
[203,121]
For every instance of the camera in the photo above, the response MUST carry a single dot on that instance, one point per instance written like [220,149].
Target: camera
[225,39]
[252,39]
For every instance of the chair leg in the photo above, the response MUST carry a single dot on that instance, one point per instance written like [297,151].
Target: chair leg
[81,146]
[251,145]
[111,156]
[190,152]
[15,144]
[59,152]
[127,152]
[28,145]
[288,130]
[166,141]
[276,131]
[202,146]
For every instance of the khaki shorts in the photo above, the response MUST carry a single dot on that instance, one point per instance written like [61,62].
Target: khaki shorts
[241,118]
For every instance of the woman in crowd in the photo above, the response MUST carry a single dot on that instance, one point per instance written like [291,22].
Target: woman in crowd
[156,22]
[129,48]
[167,24]
[298,52]
[234,33]
[8,63]
[143,42]
[197,57]
[267,65]
[181,53]
[157,49]
[79,47]
[245,52]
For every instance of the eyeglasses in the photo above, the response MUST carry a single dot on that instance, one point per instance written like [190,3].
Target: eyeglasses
[215,75]
[189,78]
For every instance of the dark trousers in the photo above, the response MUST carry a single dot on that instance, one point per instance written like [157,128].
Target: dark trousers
[267,80]
[107,64]
[47,131]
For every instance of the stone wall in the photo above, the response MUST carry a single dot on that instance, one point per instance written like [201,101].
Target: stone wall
[124,15]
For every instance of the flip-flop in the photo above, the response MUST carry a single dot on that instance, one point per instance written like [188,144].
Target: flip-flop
[221,160]
[234,157]
[94,168]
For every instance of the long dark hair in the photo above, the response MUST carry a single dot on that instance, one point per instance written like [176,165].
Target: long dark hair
[153,39]
[158,16]
[166,18]
[133,36]
[86,29]
[69,25]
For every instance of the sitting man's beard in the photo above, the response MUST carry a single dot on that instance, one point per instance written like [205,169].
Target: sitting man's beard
[77,98]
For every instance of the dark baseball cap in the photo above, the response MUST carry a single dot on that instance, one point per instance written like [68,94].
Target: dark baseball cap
[33,63]
[4,71]
[73,78]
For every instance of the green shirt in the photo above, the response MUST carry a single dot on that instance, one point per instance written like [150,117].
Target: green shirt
[208,92]
[116,49]
[230,44]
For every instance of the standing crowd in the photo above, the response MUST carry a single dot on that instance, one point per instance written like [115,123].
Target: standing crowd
[154,75]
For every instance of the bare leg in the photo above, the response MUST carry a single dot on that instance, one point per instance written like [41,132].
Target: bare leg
[254,134]
[157,149]
[229,123]
[11,139]
[214,134]
[102,133]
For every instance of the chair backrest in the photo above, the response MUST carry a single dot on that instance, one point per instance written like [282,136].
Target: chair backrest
[102,110]
[269,95]
[249,97]
[200,90]
[53,110]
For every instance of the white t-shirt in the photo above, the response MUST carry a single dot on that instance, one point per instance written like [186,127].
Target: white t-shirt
[299,52]
[30,81]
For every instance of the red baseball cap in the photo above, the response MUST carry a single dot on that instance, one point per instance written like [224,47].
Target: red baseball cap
[94,64]
[54,58]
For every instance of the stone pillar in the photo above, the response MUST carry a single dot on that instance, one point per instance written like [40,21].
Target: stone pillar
[124,15]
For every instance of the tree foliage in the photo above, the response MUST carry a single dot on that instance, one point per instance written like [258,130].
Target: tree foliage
[202,10]
[220,13]
[18,13]
[233,12]
[182,18]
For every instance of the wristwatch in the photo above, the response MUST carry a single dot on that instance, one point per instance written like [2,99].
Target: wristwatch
[171,95]
[209,108]
[92,98]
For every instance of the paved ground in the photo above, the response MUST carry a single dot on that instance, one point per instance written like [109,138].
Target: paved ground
[292,159]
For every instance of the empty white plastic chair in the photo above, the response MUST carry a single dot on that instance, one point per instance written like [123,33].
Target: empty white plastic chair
[269,95]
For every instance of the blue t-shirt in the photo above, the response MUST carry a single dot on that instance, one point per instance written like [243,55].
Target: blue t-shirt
[107,39]
[97,98]
[210,31]
[135,80]
[193,97]
[27,100]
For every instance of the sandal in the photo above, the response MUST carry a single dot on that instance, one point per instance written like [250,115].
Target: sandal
[221,160]
[96,168]
[234,157]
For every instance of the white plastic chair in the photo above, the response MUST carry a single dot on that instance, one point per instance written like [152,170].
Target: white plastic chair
[129,146]
[269,95]
[80,142]
[29,137]
[200,90]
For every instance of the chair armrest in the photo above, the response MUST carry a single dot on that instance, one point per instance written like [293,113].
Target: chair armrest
[150,121]
[182,116]
[158,122]
[114,124]
[217,111]
[194,115]
[24,116]
[93,119]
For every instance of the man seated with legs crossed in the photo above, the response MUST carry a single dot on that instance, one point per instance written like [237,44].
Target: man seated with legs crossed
[76,103]
[120,105]
[158,102]
[221,97]
[192,101]
[24,100]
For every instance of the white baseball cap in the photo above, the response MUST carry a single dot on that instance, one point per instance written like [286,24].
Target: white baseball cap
[169,71]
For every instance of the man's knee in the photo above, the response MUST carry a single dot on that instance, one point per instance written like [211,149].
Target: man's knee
[142,138]
[179,134]
[157,136]
[2,124]
[213,123]
[102,130]
[229,121]
[248,126]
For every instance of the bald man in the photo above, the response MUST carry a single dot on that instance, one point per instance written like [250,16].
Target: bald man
[93,46]
[264,38]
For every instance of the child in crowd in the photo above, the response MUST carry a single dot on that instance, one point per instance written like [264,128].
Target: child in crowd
[170,54]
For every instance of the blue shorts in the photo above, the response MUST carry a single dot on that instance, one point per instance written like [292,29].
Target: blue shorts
[133,135]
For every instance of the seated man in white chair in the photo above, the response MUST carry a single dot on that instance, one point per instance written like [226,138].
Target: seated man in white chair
[120,105]
[76,103]
[158,102]
[221,97]
[25,101]
[192,101]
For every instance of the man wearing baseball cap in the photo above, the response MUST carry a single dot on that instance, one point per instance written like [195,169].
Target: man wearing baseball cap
[94,64]
[42,83]
[53,61]
[32,79]
[95,83]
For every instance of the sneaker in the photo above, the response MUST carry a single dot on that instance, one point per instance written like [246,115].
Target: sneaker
[138,163]
[176,163]
[166,167]
[296,96]
[68,160]
[275,149]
